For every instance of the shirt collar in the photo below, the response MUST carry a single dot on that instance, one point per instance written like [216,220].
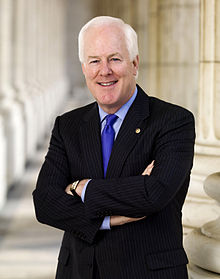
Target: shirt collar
[121,113]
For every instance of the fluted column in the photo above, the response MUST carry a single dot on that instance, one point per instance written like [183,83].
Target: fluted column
[3,164]
[207,149]
[147,30]
[18,82]
[177,52]
[203,244]
[30,68]
[43,25]
[10,110]
[51,71]
[61,85]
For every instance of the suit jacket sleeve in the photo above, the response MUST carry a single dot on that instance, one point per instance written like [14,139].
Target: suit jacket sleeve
[52,205]
[144,195]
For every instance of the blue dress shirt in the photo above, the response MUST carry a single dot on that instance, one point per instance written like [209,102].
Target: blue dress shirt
[121,113]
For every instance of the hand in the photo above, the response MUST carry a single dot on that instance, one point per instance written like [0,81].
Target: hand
[148,169]
[121,220]
[79,188]
[67,190]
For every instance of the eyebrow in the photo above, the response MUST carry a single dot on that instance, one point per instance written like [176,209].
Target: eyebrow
[114,54]
[92,57]
[111,55]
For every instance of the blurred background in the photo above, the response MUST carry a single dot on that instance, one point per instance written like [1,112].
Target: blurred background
[40,78]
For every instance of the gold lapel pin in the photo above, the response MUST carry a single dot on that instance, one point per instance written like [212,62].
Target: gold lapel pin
[138,130]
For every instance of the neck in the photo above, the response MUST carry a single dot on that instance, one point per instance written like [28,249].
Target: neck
[109,110]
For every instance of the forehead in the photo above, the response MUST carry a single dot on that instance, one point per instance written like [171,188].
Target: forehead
[104,40]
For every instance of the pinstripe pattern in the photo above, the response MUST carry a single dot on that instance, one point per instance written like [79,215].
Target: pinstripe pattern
[150,248]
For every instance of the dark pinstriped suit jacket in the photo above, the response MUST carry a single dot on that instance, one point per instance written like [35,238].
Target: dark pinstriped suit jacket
[150,248]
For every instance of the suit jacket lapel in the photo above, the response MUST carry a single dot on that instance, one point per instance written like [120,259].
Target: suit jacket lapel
[128,135]
[91,143]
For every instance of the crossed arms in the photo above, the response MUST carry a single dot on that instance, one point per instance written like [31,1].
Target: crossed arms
[116,220]
[125,199]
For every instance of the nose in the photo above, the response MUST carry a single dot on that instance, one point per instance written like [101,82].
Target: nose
[105,69]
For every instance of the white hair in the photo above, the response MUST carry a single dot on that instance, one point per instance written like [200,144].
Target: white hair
[130,34]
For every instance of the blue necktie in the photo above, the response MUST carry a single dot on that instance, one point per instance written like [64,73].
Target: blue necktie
[108,135]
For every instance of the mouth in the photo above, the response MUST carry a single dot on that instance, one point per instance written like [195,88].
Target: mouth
[107,84]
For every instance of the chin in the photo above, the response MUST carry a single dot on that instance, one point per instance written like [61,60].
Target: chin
[108,98]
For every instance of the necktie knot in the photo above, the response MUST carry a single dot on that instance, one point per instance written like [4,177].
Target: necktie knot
[110,119]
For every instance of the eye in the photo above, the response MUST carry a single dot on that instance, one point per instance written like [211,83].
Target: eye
[115,59]
[94,61]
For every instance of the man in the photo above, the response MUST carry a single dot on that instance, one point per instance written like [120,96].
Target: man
[117,170]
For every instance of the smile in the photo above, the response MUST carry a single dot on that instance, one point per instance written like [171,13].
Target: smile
[107,83]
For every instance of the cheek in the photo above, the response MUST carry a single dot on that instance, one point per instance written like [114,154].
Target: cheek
[90,74]
[123,71]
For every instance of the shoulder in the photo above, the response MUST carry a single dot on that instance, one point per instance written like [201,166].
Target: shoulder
[170,117]
[74,118]
[163,108]
[159,108]
[78,112]
[165,115]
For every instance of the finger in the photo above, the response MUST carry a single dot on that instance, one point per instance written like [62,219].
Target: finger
[147,171]
[142,217]
[149,168]
[136,219]
[69,193]
[67,189]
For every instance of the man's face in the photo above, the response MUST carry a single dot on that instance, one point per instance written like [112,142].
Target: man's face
[109,73]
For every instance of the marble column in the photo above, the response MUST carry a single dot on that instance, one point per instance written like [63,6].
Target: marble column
[32,91]
[124,9]
[177,46]
[3,164]
[18,68]
[10,109]
[147,29]
[43,55]
[207,149]
[52,73]
[62,85]
[203,243]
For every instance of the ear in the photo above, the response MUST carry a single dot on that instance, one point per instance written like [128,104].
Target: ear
[136,65]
